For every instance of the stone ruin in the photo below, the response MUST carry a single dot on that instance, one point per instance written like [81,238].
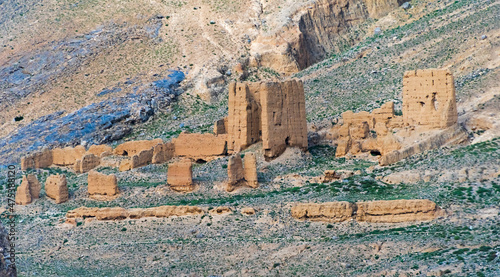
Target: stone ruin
[78,158]
[158,153]
[41,159]
[118,213]
[202,147]
[87,163]
[163,152]
[271,112]
[239,175]
[429,99]
[180,175]
[368,132]
[29,190]
[99,150]
[56,187]
[102,184]
[131,148]
[384,211]
[429,106]
[68,155]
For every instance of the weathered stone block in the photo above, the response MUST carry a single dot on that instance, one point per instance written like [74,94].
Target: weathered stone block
[29,190]
[87,163]
[397,211]
[163,152]
[200,146]
[131,148]
[56,187]
[68,155]
[330,211]
[42,159]
[99,149]
[250,170]
[102,184]
[180,176]
[429,98]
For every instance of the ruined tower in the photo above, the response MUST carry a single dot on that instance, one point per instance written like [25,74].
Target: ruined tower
[429,99]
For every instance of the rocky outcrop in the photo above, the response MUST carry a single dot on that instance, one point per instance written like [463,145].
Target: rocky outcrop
[7,267]
[315,30]
[395,211]
[273,112]
[331,211]
[56,187]
[200,146]
[220,211]
[99,149]
[131,148]
[180,176]
[391,211]
[41,159]
[68,155]
[102,184]
[429,99]
[29,190]
[118,213]
[247,211]
[453,135]
[328,176]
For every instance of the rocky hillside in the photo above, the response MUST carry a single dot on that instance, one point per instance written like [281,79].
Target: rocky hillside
[88,72]
[94,55]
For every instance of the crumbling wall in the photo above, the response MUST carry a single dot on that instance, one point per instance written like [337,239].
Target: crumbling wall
[68,155]
[42,159]
[283,117]
[180,176]
[364,131]
[102,184]
[273,112]
[29,190]
[220,126]
[331,211]
[396,211]
[234,170]
[99,149]
[131,148]
[242,172]
[143,158]
[385,211]
[56,187]
[118,213]
[429,98]
[87,163]
[452,135]
[163,152]
[243,116]
[200,146]
[250,170]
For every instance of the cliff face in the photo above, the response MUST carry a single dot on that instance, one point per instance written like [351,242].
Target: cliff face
[315,31]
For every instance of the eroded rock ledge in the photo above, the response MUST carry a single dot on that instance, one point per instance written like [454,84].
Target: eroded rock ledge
[392,211]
